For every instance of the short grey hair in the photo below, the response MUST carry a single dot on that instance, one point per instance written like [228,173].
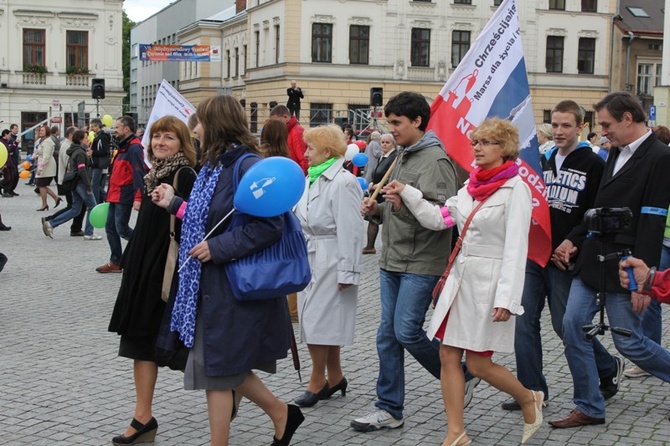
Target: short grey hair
[376,136]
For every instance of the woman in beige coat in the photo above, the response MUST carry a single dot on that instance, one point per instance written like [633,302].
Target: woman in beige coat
[330,218]
[46,166]
[483,291]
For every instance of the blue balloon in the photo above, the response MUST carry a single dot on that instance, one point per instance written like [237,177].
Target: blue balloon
[270,187]
[363,182]
[360,160]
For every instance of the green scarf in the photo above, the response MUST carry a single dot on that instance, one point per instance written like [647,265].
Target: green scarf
[315,172]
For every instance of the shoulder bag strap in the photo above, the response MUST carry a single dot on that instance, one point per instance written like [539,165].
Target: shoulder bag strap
[454,252]
[175,185]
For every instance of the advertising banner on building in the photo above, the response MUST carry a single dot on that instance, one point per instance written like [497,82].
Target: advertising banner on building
[179,53]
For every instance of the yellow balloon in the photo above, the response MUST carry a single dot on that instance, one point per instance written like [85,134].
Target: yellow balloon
[91,136]
[108,120]
[3,155]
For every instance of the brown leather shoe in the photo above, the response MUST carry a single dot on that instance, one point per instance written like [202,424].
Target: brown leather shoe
[109,267]
[576,419]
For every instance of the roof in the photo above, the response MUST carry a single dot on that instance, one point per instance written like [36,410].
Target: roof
[632,13]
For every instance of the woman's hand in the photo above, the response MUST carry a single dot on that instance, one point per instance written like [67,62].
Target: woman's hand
[162,195]
[392,194]
[501,315]
[136,205]
[201,252]
[369,207]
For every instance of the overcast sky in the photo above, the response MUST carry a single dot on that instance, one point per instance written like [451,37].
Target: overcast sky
[139,10]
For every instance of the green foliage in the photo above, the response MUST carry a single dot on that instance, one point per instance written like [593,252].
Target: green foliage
[126,27]
[77,70]
[36,68]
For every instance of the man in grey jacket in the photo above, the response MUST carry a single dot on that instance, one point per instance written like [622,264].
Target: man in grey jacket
[412,260]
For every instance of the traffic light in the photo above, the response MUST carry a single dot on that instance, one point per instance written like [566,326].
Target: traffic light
[98,88]
[376,96]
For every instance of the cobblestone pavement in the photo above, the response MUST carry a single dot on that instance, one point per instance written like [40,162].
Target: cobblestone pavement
[61,382]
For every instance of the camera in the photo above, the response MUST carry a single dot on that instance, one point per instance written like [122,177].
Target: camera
[608,221]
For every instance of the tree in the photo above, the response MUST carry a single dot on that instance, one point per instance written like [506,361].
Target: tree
[127,26]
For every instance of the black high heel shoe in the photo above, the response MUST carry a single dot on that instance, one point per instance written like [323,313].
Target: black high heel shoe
[58,202]
[145,433]
[308,399]
[341,386]
[293,420]
[45,208]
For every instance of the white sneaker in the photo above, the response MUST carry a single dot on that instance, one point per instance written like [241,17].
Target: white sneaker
[635,372]
[93,237]
[470,390]
[379,419]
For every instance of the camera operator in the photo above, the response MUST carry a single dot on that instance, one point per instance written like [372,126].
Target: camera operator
[650,282]
[637,176]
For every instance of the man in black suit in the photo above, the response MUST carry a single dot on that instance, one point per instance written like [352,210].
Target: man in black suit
[637,176]
[294,94]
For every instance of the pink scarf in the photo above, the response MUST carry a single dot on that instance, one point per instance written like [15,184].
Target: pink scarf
[483,183]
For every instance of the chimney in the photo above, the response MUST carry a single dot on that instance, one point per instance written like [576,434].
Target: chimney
[240,5]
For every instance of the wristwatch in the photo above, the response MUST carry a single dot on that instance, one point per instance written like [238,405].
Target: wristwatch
[650,280]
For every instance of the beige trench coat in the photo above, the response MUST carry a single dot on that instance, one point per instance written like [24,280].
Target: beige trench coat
[329,213]
[46,163]
[489,271]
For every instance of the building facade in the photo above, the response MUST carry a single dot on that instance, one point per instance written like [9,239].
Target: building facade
[51,52]
[337,50]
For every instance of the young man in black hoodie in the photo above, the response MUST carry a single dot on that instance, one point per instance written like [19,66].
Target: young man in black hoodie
[572,173]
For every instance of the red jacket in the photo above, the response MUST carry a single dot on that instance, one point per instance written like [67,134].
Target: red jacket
[660,289]
[297,145]
[126,181]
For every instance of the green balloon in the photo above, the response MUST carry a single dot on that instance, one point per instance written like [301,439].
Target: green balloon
[98,215]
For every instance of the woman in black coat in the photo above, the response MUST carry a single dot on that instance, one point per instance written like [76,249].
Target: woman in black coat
[228,338]
[139,307]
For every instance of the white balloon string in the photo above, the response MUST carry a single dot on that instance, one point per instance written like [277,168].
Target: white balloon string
[207,236]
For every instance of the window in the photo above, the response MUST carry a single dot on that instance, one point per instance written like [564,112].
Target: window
[322,42]
[554,62]
[359,44]
[33,47]
[276,44]
[257,34]
[638,12]
[557,4]
[320,114]
[420,52]
[589,6]
[228,64]
[648,77]
[546,116]
[237,62]
[76,51]
[586,55]
[497,2]
[462,2]
[244,62]
[460,44]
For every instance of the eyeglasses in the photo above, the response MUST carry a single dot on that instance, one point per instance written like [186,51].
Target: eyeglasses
[483,142]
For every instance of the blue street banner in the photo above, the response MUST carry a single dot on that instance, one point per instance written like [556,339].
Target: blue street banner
[491,80]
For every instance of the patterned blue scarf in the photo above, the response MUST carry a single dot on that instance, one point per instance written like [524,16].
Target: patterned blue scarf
[192,233]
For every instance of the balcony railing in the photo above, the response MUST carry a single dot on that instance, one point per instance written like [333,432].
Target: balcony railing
[34,79]
[77,80]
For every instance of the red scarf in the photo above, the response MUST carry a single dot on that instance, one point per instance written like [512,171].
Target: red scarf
[483,183]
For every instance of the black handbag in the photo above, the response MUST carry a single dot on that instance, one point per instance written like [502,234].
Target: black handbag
[70,180]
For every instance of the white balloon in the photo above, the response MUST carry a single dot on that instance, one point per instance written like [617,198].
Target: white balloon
[352,150]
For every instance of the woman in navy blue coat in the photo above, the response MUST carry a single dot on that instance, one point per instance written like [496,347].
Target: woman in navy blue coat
[228,338]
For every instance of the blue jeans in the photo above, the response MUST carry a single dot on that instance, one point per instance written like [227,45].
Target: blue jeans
[116,228]
[97,185]
[79,199]
[652,321]
[405,298]
[579,351]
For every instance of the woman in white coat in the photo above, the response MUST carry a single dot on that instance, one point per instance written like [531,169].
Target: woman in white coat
[330,218]
[483,290]
[46,166]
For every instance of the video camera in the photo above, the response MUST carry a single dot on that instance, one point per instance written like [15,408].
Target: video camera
[608,221]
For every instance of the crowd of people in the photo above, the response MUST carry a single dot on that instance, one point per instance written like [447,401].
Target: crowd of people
[487,295]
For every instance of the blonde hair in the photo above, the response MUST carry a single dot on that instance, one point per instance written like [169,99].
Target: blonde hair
[327,137]
[501,131]
[545,129]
